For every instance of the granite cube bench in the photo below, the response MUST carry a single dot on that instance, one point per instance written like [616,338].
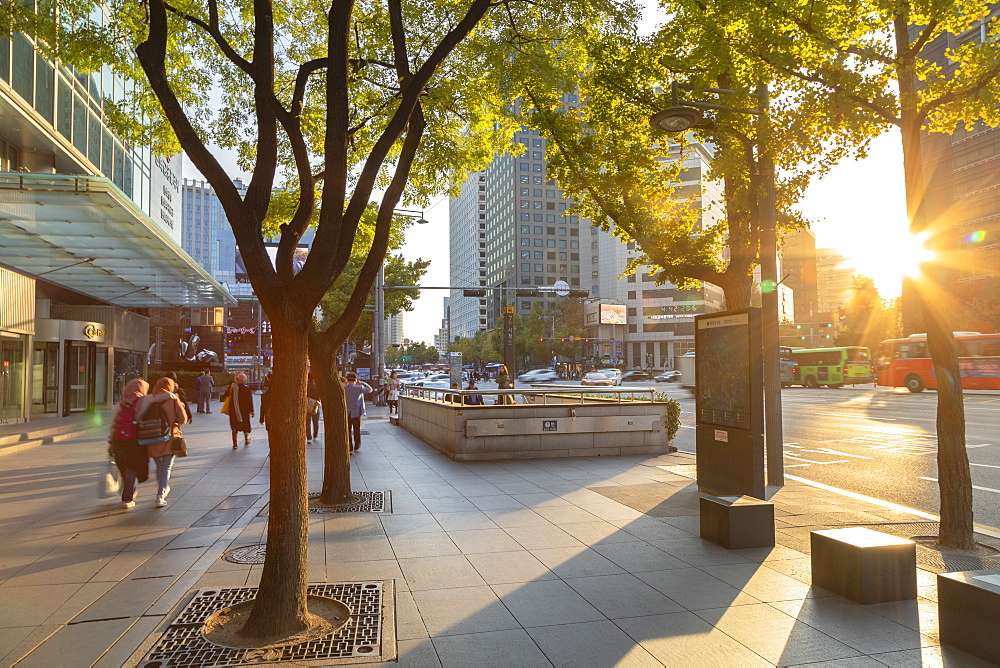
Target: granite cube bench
[736,522]
[863,565]
[969,612]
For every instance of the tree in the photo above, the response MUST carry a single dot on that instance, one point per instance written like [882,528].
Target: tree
[866,320]
[334,102]
[871,62]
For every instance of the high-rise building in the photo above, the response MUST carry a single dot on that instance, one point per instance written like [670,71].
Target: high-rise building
[798,271]
[207,235]
[510,229]
[90,234]
[394,329]
[835,282]
[467,252]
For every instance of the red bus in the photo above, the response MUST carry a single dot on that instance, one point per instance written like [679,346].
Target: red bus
[906,362]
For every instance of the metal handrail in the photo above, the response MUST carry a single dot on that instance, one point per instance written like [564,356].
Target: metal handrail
[582,391]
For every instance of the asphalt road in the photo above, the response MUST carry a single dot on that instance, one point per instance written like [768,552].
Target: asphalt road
[879,442]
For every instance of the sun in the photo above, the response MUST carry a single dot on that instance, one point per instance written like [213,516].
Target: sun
[911,252]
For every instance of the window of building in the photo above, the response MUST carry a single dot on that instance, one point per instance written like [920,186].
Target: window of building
[537,204]
[550,255]
[537,167]
[525,255]
[525,216]
[631,311]
[536,142]
[562,243]
[536,155]
[525,229]
[536,179]
[538,267]
[526,280]
[550,218]
[525,306]
[524,179]
[539,255]
[631,294]
[525,241]
[574,256]
[550,193]
[593,275]
[525,266]
[538,229]
[632,330]
[550,243]
[537,192]
[537,217]
[563,257]
[550,206]
[551,269]
[574,269]
[574,233]
[524,192]
[593,260]
[631,278]
[525,204]
[539,280]
[524,167]
[562,231]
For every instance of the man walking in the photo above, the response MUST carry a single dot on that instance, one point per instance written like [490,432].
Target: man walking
[354,393]
[197,392]
[207,387]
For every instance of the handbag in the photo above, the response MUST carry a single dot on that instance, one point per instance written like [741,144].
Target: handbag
[312,405]
[227,404]
[110,482]
[178,446]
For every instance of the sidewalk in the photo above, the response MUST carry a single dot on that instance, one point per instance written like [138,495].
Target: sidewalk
[588,562]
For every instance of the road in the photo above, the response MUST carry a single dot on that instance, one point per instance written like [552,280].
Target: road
[879,442]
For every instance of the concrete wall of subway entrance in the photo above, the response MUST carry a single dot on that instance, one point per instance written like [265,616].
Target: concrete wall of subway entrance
[526,431]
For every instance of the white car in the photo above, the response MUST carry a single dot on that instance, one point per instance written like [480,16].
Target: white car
[614,374]
[538,376]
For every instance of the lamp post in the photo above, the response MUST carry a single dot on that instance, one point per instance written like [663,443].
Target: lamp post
[684,115]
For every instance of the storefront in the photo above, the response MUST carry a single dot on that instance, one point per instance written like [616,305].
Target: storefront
[17,322]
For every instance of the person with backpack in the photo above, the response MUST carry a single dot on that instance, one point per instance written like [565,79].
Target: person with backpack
[130,457]
[179,391]
[159,416]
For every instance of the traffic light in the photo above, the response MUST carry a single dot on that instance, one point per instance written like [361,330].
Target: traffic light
[826,324]
[526,292]
[798,326]
[474,293]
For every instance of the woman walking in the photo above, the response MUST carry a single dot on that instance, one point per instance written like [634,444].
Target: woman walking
[163,397]
[312,409]
[392,387]
[240,408]
[130,457]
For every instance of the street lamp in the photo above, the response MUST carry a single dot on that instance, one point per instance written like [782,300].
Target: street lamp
[682,116]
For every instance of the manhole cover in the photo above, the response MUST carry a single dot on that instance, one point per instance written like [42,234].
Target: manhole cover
[251,554]
[183,645]
[686,470]
[367,502]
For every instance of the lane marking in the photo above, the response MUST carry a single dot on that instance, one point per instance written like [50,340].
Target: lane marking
[842,454]
[984,489]
[812,461]
[989,466]
[981,445]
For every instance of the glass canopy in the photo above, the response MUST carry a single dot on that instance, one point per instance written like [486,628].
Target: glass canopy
[82,233]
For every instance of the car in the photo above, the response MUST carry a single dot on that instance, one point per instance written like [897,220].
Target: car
[429,384]
[614,374]
[668,377]
[634,375]
[538,376]
[596,378]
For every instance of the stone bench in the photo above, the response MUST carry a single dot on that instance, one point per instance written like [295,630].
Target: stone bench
[736,522]
[863,565]
[969,612]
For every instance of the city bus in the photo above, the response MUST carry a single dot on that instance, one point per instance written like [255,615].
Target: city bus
[907,363]
[832,367]
[786,365]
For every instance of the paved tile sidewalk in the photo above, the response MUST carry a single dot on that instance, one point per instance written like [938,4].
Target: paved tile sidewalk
[589,562]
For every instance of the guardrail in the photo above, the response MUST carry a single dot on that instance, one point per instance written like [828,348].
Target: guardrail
[531,396]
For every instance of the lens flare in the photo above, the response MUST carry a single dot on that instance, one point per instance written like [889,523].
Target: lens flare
[976,237]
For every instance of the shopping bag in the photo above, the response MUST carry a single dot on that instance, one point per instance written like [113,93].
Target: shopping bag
[227,404]
[178,446]
[110,483]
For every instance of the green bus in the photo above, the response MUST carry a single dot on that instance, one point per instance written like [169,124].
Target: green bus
[832,367]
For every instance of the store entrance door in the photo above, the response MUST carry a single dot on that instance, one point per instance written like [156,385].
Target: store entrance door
[80,376]
[45,378]
[11,378]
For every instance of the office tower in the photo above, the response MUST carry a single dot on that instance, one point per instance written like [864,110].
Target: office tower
[207,235]
[394,329]
[835,282]
[798,271]
[467,257]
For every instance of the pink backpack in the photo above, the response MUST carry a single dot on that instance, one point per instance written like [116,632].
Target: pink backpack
[124,424]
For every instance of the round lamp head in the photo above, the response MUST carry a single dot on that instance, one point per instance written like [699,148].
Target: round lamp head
[675,119]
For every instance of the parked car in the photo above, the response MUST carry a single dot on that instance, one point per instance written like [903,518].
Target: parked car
[596,378]
[614,374]
[634,375]
[538,376]
[668,377]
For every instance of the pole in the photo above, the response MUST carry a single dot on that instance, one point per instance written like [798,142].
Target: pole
[378,331]
[769,295]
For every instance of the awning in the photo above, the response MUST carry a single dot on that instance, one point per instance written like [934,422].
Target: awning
[82,233]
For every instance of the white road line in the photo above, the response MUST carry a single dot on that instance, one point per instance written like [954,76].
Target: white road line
[791,466]
[842,454]
[981,445]
[988,466]
[812,461]
[985,489]
[858,415]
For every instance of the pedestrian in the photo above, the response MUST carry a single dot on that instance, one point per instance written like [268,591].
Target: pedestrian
[265,398]
[197,392]
[240,408]
[162,455]
[354,393]
[179,391]
[130,457]
[452,398]
[504,383]
[473,399]
[392,387]
[312,409]
[207,389]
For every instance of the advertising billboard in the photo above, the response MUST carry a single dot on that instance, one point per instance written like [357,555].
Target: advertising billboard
[613,314]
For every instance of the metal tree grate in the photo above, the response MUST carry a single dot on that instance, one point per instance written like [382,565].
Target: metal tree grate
[183,645]
[942,560]
[368,502]
[251,554]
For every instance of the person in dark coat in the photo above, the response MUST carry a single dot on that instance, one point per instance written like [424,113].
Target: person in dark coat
[130,457]
[241,408]
[312,409]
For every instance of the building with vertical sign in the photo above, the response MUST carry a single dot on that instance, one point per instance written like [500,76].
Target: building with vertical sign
[89,240]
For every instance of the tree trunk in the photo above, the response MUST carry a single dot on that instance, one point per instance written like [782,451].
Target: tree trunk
[954,478]
[280,606]
[336,457]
